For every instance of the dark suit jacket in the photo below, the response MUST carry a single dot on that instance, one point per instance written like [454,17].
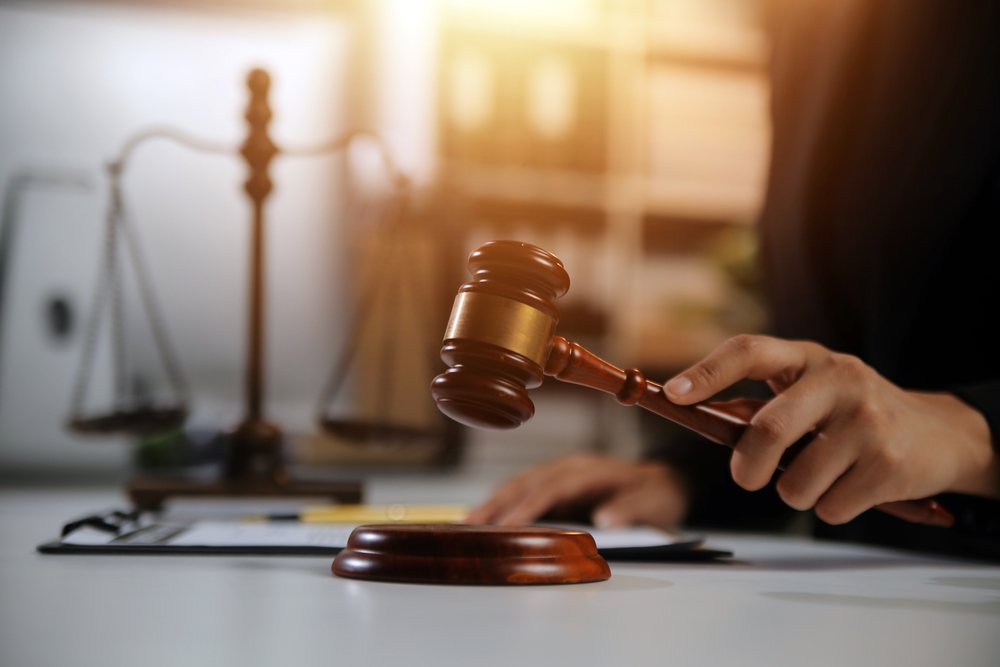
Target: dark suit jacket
[880,234]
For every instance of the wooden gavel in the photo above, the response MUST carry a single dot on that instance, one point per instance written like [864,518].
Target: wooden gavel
[501,341]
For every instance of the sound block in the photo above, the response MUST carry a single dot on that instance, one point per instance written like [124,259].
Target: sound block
[457,554]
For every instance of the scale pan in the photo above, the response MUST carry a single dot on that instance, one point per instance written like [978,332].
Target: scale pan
[136,422]
[365,431]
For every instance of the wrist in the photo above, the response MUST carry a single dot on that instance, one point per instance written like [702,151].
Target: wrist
[978,471]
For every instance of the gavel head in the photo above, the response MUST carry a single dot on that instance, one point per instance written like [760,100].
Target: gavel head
[500,335]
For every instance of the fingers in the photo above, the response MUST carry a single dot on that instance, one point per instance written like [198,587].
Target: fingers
[497,503]
[625,492]
[530,495]
[844,471]
[847,498]
[867,428]
[755,357]
[870,481]
[557,490]
[816,469]
[511,493]
[776,426]
[744,408]
[663,507]
[623,509]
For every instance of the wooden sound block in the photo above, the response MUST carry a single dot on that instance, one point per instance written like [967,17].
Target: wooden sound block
[457,554]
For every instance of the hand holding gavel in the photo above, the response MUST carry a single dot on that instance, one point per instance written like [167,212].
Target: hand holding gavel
[501,341]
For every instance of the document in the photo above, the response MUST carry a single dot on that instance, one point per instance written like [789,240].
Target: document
[150,534]
[296,534]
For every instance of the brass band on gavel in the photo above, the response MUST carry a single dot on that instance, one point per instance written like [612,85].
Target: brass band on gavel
[506,323]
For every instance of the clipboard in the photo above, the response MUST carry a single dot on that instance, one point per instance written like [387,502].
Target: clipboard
[136,533]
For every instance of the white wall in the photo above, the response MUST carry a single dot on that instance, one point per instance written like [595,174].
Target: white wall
[75,81]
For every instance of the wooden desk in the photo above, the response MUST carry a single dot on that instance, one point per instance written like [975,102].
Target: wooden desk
[789,602]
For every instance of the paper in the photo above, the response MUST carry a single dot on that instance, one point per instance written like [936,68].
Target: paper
[264,534]
[632,538]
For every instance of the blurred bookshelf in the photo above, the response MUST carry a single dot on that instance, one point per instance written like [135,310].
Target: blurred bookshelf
[629,137]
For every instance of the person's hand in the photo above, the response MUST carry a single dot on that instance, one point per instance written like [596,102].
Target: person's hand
[874,442]
[618,493]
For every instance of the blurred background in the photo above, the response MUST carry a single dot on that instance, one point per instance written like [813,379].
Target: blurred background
[628,137]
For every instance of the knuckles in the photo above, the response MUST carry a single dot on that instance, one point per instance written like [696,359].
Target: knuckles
[769,426]
[866,398]
[872,417]
[708,373]
[851,369]
[744,343]
[832,512]
[868,410]
[794,492]
[747,478]
[827,513]
[887,460]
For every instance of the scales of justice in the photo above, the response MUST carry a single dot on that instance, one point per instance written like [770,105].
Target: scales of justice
[254,463]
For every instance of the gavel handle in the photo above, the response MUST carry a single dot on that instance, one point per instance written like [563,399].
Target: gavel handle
[571,363]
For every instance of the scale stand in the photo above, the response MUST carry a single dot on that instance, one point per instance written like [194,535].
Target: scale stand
[254,465]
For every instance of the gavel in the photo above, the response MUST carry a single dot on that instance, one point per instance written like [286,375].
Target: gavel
[501,341]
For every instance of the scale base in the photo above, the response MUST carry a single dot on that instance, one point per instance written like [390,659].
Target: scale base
[149,492]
